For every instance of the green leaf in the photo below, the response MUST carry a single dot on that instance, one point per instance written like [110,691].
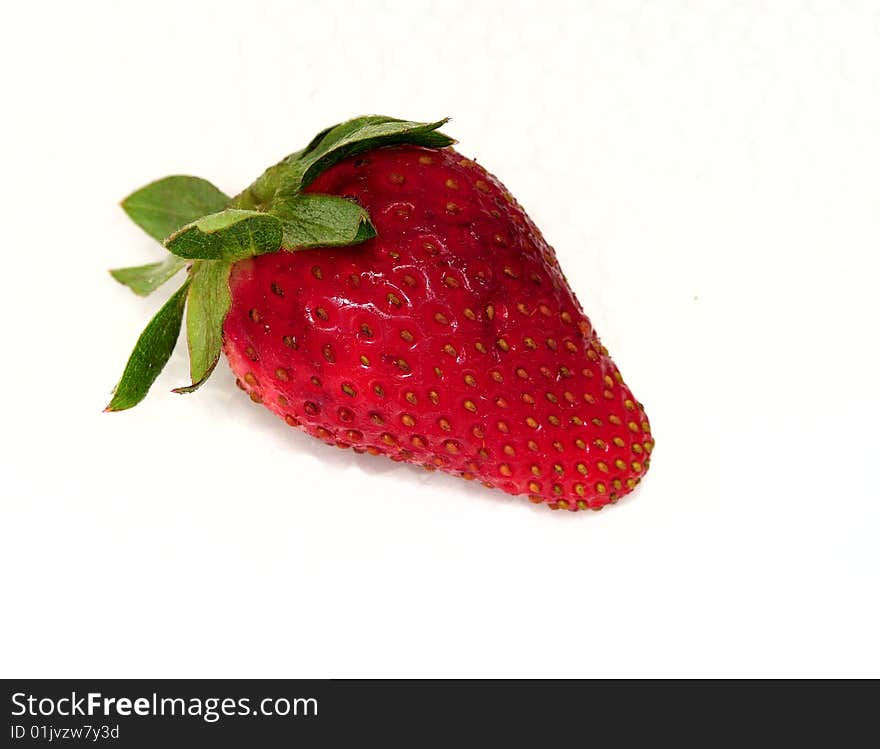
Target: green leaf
[356,136]
[151,353]
[311,220]
[228,235]
[207,306]
[165,205]
[296,171]
[145,279]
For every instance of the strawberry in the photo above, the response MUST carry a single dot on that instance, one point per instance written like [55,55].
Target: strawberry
[382,292]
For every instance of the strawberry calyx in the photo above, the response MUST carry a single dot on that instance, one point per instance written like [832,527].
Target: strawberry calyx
[207,232]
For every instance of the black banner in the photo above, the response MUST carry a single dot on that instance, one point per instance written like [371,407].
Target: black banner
[149,713]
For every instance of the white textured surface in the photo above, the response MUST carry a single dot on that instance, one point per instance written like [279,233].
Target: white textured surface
[708,173]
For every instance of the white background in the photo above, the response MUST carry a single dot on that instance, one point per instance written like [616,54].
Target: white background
[710,176]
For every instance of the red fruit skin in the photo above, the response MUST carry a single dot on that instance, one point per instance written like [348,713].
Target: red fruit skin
[451,339]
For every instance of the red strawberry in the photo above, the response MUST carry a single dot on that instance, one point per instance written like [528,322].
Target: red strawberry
[450,338]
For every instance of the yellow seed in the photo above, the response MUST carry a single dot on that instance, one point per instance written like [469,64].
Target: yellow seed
[602,466]
[417,441]
[388,439]
[600,443]
[530,343]
[322,313]
[522,308]
[557,489]
[558,446]
[478,432]
[558,468]
[616,484]
[348,390]
[490,312]
[496,375]
[480,347]
[435,399]
[554,420]
[451,282]
[528,399]
[600,487]
[470,381]
[402,365]
[501,403]
[450,349]
[397,179]
[522,374]
[503,345]
[637,449]
[508,450]
[580,444]
[452,208]
[551,344]
[581,469]
[441,318]
[504,470]
[411,397]
[452,184]
[633,427]
[615,420]
[620,464]
[393,299]
[451,447]
[470,406]
[629,405]
[631,483]
[406,335]
[636,466]
[365,361]
[531,422]
[408,420]
[532,445]
[536,471]
[445,425]
[577,421]
[618,441]
[502,427]
[469,313]
[580,490]
[565,317]
[534,487]
[426,159]
[563,504]
[481,186]
[379,390]
[552,398]
[607,394]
